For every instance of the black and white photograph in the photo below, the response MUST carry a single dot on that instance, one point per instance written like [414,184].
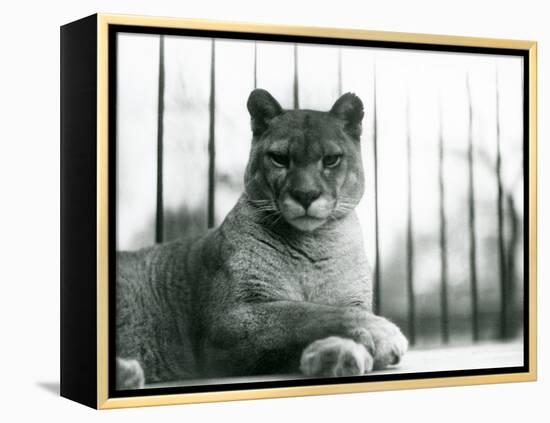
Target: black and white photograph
[300,212]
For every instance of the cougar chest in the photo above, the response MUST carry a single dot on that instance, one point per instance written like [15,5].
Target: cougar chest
[326,282]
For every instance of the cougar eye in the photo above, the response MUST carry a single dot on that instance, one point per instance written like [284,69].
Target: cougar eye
[279,160]
[332,161]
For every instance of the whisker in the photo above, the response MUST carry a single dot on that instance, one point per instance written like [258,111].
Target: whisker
[269,216]
[268,207]
[346,203]
[278,218]
[259,202]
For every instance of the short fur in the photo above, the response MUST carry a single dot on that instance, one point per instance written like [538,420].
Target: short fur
[282,285]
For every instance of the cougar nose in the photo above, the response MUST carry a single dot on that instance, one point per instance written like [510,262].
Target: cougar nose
[305,197]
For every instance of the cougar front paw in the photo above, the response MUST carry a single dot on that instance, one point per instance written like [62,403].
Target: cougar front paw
[129,374]
[389,343]
[334,356]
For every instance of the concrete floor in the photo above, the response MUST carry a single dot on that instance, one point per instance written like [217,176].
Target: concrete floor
[479,356]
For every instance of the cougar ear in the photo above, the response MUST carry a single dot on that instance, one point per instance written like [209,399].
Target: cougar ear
[349,108]
[262,108]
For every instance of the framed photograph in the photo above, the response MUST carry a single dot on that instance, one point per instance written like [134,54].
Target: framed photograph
[256,211]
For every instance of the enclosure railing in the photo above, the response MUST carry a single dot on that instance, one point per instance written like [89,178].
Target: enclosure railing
[505,252]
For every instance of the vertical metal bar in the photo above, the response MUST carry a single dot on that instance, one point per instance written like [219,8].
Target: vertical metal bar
[377,266]
[472,218]
[500,216]
[443,234]
[255,65]
[159,221]
[340,88]
[295,87]
[211,138]
[410,244]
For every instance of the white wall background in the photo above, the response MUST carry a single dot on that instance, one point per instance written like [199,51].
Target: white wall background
[29,175]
